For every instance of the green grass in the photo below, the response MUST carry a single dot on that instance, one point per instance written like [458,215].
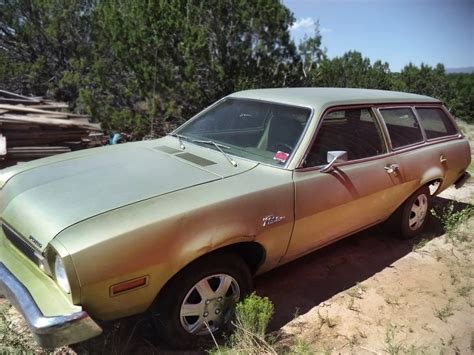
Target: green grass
[465,290]
[392,347]
[392,300]
[451,219]
[420,244]
[326,320]
[445,312]
[11,341]
[357,291]
[252,317]
[302,347]
[470,168]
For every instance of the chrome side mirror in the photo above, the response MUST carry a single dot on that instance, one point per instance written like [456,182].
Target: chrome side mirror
[333,157]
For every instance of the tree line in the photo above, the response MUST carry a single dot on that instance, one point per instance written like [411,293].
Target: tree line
[146,66]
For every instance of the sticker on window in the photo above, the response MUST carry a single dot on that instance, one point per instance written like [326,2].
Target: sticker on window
[281,156]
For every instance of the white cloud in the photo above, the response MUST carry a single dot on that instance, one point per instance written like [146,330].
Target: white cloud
[308,24]
[304,23]
[325,30]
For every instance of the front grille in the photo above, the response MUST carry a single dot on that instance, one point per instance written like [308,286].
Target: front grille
[21,245]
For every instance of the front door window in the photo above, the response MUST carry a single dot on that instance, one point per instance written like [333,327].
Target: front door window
[353,130]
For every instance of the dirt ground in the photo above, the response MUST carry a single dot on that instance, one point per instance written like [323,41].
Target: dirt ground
[370,293]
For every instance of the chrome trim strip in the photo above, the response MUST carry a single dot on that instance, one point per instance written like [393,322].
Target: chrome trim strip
[49,332]
[386,155]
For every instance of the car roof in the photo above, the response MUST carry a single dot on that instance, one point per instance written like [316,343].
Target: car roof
[318,98]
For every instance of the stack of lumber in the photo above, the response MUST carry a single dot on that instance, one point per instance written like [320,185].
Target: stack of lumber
[33,127]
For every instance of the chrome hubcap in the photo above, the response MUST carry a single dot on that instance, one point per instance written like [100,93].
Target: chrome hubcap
[418,212]
[209,304]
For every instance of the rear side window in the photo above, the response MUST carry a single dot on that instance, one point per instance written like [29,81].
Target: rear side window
[402,126]
[435,122]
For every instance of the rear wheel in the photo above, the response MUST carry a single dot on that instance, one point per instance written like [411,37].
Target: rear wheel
[411,217]
[200,300]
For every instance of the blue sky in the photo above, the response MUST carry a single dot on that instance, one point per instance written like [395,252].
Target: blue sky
[395,31]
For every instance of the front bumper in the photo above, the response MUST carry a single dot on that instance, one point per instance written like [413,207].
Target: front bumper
[48,331]
[49,313]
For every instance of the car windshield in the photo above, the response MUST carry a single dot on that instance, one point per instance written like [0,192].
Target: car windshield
[262,131]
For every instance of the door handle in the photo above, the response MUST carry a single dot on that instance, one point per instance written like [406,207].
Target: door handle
[442,159]
[392,169]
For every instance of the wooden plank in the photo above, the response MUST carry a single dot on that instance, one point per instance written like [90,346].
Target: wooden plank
[45,130]
[37,149]
[34,152]
[27,143]
[19,108]
[50,106]
[5,100]
[45,136]
[45,115]
[17,126]
[13,95]
[47,121]
[31,110]
[41,141]
[35,127]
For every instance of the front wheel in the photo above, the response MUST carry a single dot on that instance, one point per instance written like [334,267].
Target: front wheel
[200,299]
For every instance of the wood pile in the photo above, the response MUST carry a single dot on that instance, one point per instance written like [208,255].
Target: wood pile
[34,127]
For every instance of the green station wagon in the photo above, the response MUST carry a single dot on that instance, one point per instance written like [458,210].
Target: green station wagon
[177,226]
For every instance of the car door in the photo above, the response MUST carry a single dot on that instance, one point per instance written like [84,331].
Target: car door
[431,153]
[357,193]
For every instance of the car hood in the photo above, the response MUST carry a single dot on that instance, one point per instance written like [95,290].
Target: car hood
[41,198]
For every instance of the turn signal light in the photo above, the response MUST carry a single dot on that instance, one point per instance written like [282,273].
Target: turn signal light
[128,285]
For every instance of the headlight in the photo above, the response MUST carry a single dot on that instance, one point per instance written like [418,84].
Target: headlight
[60,274]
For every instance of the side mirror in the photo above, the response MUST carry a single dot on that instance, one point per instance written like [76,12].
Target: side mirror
[333,157]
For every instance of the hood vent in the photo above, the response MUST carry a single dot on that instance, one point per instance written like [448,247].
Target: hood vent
[165,149]
[195,159]
[185,156]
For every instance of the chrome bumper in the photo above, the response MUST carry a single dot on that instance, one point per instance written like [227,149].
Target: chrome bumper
[49,332]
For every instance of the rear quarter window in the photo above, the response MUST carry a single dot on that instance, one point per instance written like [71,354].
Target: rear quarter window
[435,122]
[402,126]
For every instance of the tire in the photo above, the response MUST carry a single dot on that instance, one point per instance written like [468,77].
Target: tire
[197,290]
[410,219]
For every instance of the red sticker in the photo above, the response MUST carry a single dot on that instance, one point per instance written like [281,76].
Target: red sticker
[281,156]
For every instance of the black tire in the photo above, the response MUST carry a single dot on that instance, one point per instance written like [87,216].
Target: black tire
[181,294]
[410,219]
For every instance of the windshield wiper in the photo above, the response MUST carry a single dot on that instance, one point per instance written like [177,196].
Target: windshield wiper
[219,148]
[180,139]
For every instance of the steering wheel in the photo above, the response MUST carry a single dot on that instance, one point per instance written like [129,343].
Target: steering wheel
[282,147]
